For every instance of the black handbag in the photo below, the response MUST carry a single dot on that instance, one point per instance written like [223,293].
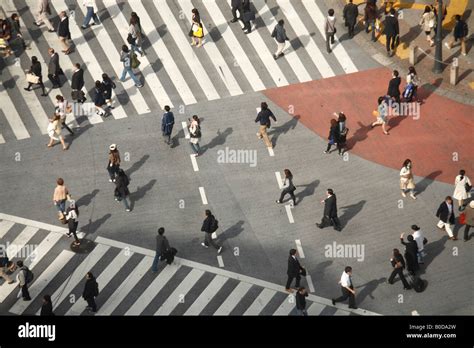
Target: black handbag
[467,187]
[303,271]
[190,34]
[131,39]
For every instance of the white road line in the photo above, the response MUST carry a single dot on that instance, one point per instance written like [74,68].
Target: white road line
[290,215]
[104,278]
[222,25]
[309,280]
[2,139]
[33,223]
[12,116]
[341,312]
[299,248]
[194,162]
[203,195]
[113,56]
[279,180]
[152,290]
[186,130]
[192,60]
[151,78]
[233,299]
[5,226]
[15,247]
[260,302]
[339,51]
[290,55]
[216,57]
[415,313]
[127,285]
[40,283]
[206,296]
[315,309]
[286,306]
[179,294]
[220,260]
[300,30]
[271,152]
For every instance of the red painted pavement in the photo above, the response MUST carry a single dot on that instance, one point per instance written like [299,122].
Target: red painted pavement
[445,127]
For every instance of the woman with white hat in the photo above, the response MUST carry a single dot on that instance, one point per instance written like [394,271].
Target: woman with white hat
[462,188]
[114,162]
[72,214]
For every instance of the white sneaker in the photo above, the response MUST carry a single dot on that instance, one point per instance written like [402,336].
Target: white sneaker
[404,194]
[127,209]
[412,196]
[219,250]
[204,245]
[447,45]
[110,180]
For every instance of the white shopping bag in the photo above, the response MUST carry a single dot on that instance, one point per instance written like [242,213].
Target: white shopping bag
[214,235]
[440,224]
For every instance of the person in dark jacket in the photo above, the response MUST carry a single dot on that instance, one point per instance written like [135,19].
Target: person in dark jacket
[99,99]
[263,117]
[22,281]
[162,246]
[108,85]
[54,70]
[391,30]
[236,5]
[301,301]
[72,216]
[279,34]
[121,188]
[333,129]
[445,213]
[295,270]
[16,34]
[350,14]
[247,16]
[167,123]
[47,307]
[63,32]
[393,90]
[341,134]
[36,70]
[91,291]
[370,16]
[330,212]
[411,251]
[398,264]
[207,225]
[460,33]
[288,187]
[77,82]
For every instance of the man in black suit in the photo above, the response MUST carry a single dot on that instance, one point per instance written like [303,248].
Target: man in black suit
[53,68]
[391,30]
[445,213]
[63,32]
[350,14]
[330,212]
[77,84]
[394,86]
[236,5]
[295,270]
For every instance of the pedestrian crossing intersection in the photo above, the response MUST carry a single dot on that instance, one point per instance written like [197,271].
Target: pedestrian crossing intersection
[127,285]
[229,63]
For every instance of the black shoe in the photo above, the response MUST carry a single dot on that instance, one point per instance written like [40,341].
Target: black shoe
[333,302]
[407,288]
[83,28]
[44,95]
[234,20]
[352,307]
[281,55]
[319,225]
[51,30]
[26,298]
[339,229]
[275,57]
[27,89]
[247,32]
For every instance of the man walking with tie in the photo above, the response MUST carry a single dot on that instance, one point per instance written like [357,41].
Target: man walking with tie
[330,212]
[295,270]
[347,288]
[54,70]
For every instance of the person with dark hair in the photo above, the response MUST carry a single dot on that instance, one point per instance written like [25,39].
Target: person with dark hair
[113,165]
[77,83]
[121,188]
[411,89]
[63,108]
[446,216]
[99,99]
[288,187]
[462,188]
[393,90]
[47,307]
[350,14]
[209,226]
[167,123]
[263,117]
[330,29]
[35,69]
[347,289]
[398,264]
[22,278]
[279,34]
[63,32]
[295,270]
[134,15]
[91,291]
[370,16]
[382,114]
[16,34]
[134,37]
[60,196]
[332,135]
[406,179]
[236,5]
[392,31]
[301,301]
[5,266]
[428,23]
[54,70]
[341,134]
[54,131]
[469,215]
[195,17]
[411,251]
[330,212]
[162,246]
[108,85]
[420,243]
[125,57]
[461,31]
[72,215]
[194,127]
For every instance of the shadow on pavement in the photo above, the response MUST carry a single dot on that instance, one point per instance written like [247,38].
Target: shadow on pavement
[359,135]
[217,140]
[137,165]
[92,227]
[432,250]
[427,181]
[232,231]
[350,211]
[87,199]
[283,129]
[308,191]
[368,289]
[140,193]
[318,271]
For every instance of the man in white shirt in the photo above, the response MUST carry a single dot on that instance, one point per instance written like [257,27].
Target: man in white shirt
[418,237]
[347,289]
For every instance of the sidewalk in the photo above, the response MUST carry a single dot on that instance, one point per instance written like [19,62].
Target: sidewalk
[412,34]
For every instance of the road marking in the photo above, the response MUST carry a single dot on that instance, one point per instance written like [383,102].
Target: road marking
[260,302]
[286,306]
[315,309]
[279,180]
[206,296]
[186,130]
[15,247]
[415,313]
[194,162]
[220,260]
[270,151]
[233,299]
[5,227]
[299,248]
[341,312]
[290,215]
[203,195]
[12,116]
[2,139]
[310,283]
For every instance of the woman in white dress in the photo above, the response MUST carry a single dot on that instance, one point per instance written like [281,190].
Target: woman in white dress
[406,179]
[460,192]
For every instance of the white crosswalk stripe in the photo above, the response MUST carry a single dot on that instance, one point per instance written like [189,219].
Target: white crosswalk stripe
[260,302]
[234,298]
[19,242]
[5,226]
[12,116]
[206,296]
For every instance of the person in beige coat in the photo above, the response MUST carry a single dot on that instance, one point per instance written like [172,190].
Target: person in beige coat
[469,212]
[42,13]
[406,179]
[428,23]
[460,192]
[54,131]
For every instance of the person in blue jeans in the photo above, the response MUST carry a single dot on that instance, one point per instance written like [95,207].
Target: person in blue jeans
[125,57]
[162,246]
[90,13]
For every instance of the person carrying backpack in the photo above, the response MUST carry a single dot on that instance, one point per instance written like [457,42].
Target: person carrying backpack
[25,277]
[209,226]
[91,291]
[121,188]
[461,31]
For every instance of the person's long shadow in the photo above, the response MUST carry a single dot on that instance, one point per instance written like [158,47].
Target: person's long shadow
[175,139]
[217,140]
[87,199]
[359,135]
[368,289]
[318,271]
[432,250]
[232,232]
[283,129]
[308,191]
[350,211]
[137,165]
[92,227]
[77,133]
[140,193]
[427,181]
[426,90]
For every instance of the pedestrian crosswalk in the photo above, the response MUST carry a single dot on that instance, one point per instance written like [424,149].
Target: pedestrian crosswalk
[229,63]
[127,285]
